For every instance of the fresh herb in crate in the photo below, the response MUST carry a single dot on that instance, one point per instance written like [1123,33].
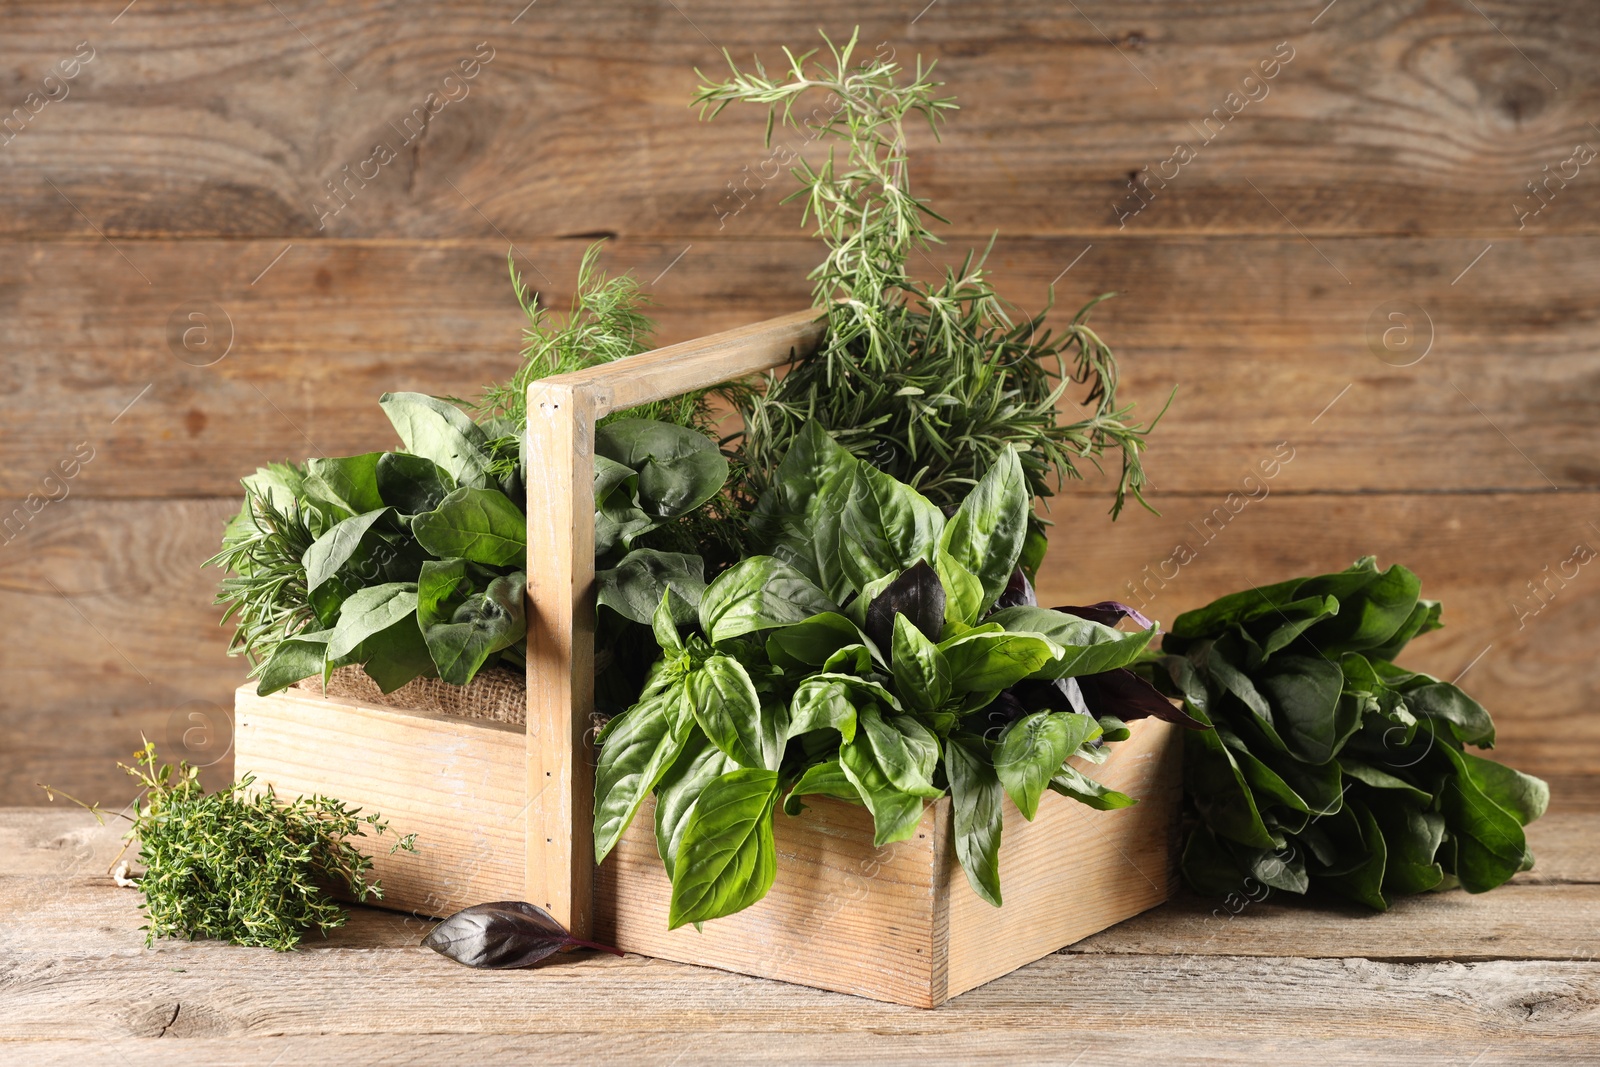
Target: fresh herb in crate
[243,866]
[883,655]
[409,563]
[930,381]
[1328,766]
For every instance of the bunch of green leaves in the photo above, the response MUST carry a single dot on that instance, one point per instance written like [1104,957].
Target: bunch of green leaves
[241,866]
[873,654]
[1328,765]
[930,381]
[410,563]
[418,568]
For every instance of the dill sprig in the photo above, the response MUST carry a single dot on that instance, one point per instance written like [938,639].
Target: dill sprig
[928,381]
[242,866]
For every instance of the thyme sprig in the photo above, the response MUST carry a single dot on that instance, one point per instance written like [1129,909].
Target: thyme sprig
[239,865]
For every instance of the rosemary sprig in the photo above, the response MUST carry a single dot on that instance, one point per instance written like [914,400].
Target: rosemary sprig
[928,381]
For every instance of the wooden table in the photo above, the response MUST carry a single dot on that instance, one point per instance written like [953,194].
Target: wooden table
[1509,977]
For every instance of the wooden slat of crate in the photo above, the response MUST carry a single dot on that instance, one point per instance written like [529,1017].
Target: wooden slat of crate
[456,783]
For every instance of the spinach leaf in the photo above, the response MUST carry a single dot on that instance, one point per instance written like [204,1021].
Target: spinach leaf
[411,484]
[345,542]
[678,468]
[479,525]
[726,860]
[294,658]
[348,482]
[635,586]
[440,431]
[368,611]
[482,625]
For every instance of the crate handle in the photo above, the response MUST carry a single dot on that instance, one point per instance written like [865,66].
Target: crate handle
[562,411]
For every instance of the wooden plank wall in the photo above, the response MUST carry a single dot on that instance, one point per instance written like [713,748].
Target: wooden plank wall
[1384,167]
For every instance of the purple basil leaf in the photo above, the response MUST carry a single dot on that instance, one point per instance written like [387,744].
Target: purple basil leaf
[1062,694]
[1128,696]
[1018,593]
[502,935]
[918,596]
[1108,613]
[1005,709]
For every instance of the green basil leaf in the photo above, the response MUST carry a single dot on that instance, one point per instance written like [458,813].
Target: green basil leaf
[348,482]
[639,746]
[793,508]
[921,671]
[759,593]
[986,533]
[664,624]
[480,525]
[368,611]
[1071,782]
[823,779]
[635,586]
[1087,647]
[984,661]
[412,484]
[881,526]
[903,749]
[822,702]
[977,814]
[895,813]
[963,592]
[1032,750]
[726,860]
[441,432]
[813,642]
[728,709]
[697,766]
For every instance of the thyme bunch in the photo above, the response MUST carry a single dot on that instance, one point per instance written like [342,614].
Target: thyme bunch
[929,381]
[242,866]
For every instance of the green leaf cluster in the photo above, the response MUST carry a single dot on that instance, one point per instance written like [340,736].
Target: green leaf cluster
[930,381]
[1328,766]
[410,563]
[242,866]
[858,656]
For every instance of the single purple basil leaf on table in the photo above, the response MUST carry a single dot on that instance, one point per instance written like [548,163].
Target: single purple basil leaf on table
[503,935]
[918,596]
[1108,613]
[1128,696]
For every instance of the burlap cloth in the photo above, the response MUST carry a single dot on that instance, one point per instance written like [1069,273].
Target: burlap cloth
[497,694]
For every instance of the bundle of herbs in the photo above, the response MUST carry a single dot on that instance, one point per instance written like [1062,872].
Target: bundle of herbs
[930,381]
[1327,765]
[409,563]
[242,866]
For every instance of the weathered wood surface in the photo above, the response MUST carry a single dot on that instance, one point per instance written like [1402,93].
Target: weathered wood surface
[1259,335]
[132,569]
[77,984]
[230,120]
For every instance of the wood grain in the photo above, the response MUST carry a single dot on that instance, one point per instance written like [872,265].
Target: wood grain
[79,983]
[1263,341]
[452,782]
[234,121]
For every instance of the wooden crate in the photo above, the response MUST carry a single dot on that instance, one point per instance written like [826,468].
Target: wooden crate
[503,813]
